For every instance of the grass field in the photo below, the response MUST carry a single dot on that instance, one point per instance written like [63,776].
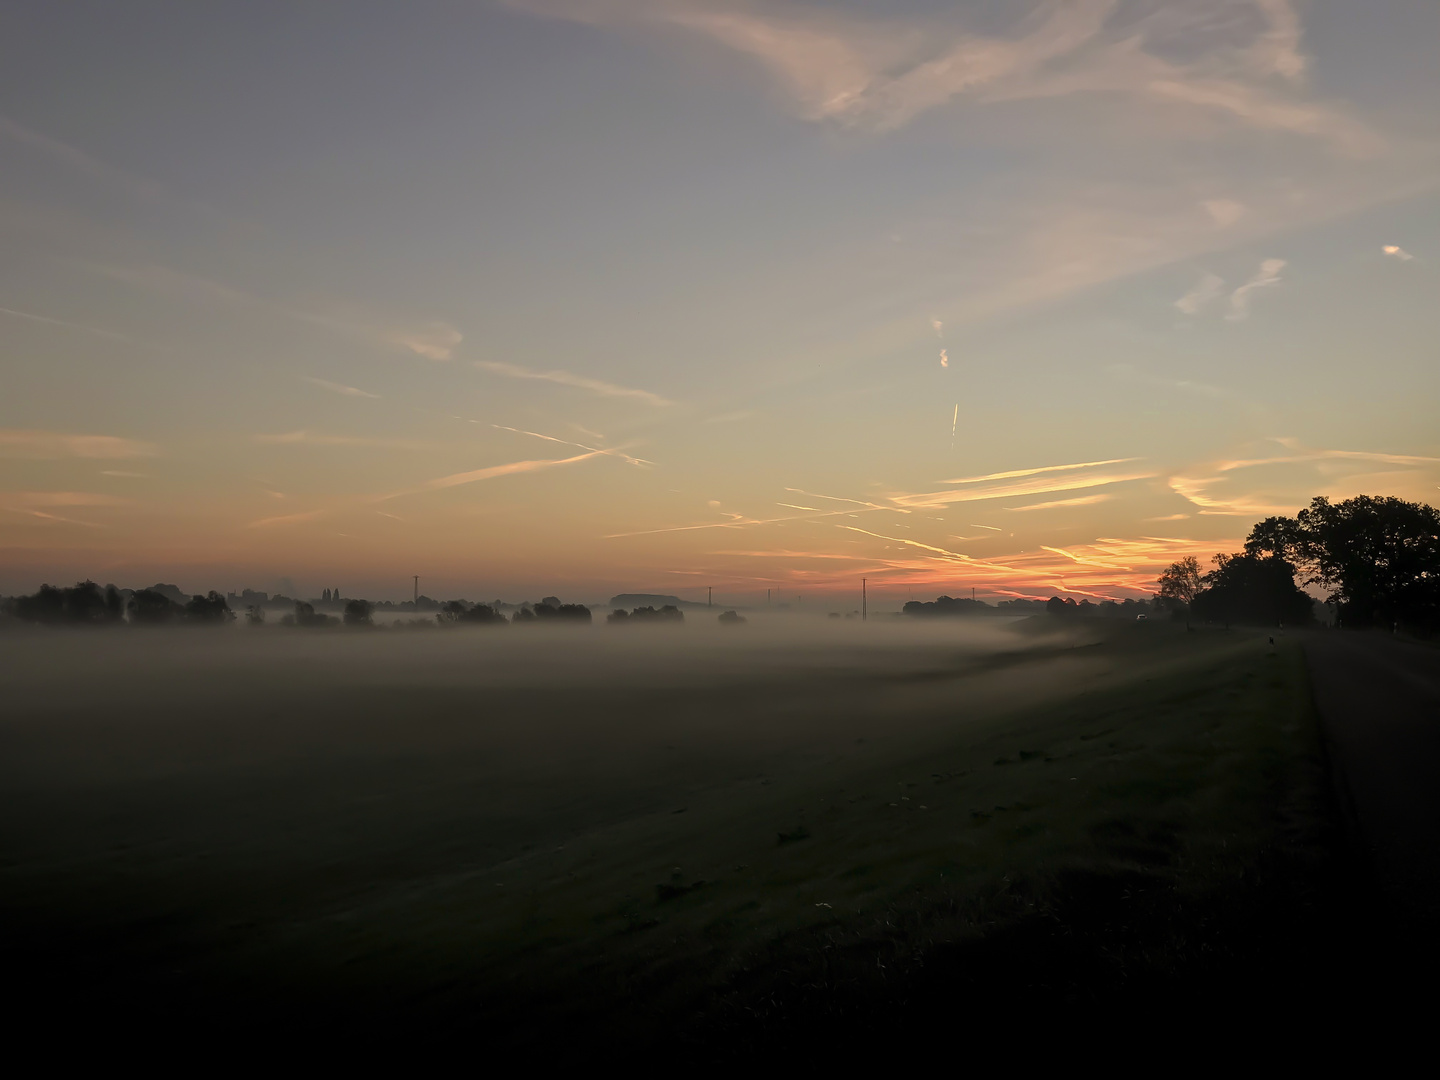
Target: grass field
[728,842]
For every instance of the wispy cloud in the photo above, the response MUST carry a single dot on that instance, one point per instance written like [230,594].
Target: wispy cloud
[287,519]
[434,341]
[21,443]
[882,72]
[1083,500]
[945,553]
[312,438]
[1267,276]
[59,498]
[54,519]
[1130,373]
[1224,212]
[1395,251]
[125,474]
[1202,295]
[136,186]
[167,281]
[338,388]
[509,469]
[1280,484]
[1037,471]
[1036,485]
[67,324]
[730,417]
[612,451]
[567,378]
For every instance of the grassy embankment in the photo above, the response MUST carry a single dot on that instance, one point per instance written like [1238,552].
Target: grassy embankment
[1139,815]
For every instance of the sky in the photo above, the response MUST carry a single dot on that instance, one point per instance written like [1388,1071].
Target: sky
[589,296]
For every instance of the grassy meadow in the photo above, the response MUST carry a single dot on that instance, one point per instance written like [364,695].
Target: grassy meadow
[723,840]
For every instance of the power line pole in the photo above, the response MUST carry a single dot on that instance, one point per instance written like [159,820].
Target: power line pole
[417,589]
[864,600]
[709,595]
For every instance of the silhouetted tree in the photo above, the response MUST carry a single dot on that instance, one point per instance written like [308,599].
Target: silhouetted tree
[455,612]
[1060,606]
[210,608]
[84,604]
[359,613]
[1379,557]
[1180,581]
[731,618]
[153,608]
[575,612]
[668,613]
[483,614]
[255,615]
[306,615]
[1257,589]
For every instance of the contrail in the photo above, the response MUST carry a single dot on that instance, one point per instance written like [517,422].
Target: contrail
[953,421]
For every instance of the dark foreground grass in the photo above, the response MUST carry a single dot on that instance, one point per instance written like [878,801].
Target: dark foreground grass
[1132,826]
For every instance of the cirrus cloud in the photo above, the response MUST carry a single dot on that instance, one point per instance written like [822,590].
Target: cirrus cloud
[29,443]
[568,378]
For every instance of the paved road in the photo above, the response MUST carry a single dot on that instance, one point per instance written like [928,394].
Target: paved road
[1379,700]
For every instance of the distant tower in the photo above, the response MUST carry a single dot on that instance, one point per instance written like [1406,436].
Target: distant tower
[709,596]
[417,588]
[767,597]
[864,600]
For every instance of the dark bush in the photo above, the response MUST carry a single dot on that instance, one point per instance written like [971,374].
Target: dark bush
[575,612]
[153,608]
[84,604]
[1254,589]
[306,615]
[458,611]
[211,608]
[668,613]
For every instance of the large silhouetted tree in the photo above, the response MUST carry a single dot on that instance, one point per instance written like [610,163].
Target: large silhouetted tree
[1258,589]
[1180,581]
[211,608]
[1379,557]
[84,604]
[154,608]
[359,613]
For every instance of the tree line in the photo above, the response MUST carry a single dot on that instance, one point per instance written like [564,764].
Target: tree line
[1377,557]
[86,603]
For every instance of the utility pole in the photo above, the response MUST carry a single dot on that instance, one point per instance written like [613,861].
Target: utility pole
[709,595]
[417,589]
[864,601]
[767,597]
